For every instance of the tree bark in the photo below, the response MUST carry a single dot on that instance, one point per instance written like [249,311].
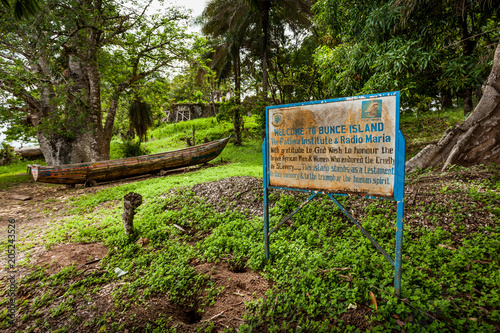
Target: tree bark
[79,140]
[476,140]
[446,101]
[69,59]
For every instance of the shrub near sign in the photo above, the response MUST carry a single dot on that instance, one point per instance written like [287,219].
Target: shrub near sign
[346,146]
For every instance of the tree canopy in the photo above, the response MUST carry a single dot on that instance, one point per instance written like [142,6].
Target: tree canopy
[69,65]
[440,49]
[22,8]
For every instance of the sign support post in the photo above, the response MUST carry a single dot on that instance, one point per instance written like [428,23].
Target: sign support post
[266,202]
[345,146]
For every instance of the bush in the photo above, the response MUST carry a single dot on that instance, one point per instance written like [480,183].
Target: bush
[226,110]
[259,110]
[131,148]
[7,154]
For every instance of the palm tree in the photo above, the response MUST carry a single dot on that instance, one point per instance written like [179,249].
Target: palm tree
[22,8]
[228,21]
[296,14]
[243,17]
[246,23]
[140,116]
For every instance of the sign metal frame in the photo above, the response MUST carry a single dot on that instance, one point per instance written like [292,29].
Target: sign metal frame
[399,177]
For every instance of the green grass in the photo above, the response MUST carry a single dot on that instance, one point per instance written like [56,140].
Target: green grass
[307,291]
[15,173]
[457,284]
[152,188]
[427,128]
[418,131]
[173,136]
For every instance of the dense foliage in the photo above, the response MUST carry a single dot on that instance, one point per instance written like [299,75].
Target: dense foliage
[69,66]
[436,49]
[324,274]
[436,53]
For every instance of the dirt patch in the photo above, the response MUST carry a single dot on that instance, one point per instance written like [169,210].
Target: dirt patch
[448,200]
[226,311]
[240,286]
[241,193]
[96,311]
[78,254]
[47,201]
[357,317]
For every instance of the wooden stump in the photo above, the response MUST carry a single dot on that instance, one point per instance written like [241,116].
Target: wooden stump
[130,202]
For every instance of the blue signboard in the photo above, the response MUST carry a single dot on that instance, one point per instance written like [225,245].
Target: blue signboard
[344,146]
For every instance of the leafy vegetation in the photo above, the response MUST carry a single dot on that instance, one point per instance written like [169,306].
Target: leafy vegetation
[83,60]
[131,148]
[15,173]
[7,154]
[79,79]
[435,53]
[324,274]
[425,49]
[421,129]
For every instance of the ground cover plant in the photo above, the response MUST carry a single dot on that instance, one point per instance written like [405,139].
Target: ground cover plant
[421,129]
[196,262]
[14,173]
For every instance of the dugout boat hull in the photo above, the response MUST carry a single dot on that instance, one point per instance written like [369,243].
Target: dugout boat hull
[127,167]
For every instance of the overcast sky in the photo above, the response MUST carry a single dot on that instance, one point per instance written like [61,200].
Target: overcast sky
[196,6]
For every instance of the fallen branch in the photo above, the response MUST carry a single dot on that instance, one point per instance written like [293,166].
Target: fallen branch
[28,152]
[92,262]
[213,317]
[337,269]
[179,227]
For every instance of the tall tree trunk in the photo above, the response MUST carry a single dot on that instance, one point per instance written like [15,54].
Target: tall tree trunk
[446,101]
[264,12]
[237,109]
[83,138]
[468,46]
[476,140]
[58,150]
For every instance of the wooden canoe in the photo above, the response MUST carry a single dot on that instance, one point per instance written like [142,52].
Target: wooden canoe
[127,167]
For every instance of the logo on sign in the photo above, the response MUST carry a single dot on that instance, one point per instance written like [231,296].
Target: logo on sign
[371,109]
[277,119]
